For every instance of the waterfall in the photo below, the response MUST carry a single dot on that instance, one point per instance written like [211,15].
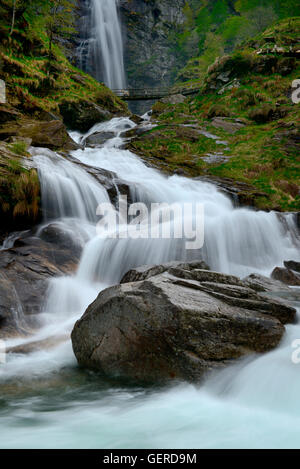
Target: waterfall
[237,240]
[107,44]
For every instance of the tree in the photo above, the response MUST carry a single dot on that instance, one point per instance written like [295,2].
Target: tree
[59,20]
[13,17]
[19,7]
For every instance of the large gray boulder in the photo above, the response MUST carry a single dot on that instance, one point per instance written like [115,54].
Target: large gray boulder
[176,322]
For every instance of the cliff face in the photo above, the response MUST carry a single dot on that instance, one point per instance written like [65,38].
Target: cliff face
[149,31]
[149,28]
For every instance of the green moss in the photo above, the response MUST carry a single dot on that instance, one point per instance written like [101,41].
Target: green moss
[20,148]
[33,83]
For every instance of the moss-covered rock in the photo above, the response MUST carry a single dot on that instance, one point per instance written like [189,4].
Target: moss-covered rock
[82,115]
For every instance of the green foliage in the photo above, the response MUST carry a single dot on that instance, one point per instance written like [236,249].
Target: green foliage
[20,148]
[59,18]
[252,115]
[213,26]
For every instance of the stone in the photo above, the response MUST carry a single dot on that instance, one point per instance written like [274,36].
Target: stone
[240,193]
[136,119]
[8,114]
[227,125]
[292,265]
[51,134]
[174,99]
[144,272]
[176,322]
[149,55]
[82,115]
[25,270]
[260,283]
[286,276]
[98,138]
[108,179]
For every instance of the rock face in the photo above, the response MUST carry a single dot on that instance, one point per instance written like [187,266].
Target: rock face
[176,321]
[98,138]
[260,283]
[24,273]
[286,276]
[51,134]
[293,265]
[148,28]
[83,115]
[8,114]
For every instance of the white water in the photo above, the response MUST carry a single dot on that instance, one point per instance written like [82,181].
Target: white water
[48,402]
[107,44]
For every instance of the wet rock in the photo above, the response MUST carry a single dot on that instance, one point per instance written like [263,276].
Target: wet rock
[136,119]
[240,192]
[286,276]
[136,131]
[35,346]
[98,138]
[57,236]
[24,272]
[176,322]
[51,134]
[83,115]
[260,283]
[146,271]
[292,265]
[108,179]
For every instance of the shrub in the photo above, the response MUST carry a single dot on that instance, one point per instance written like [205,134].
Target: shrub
[218,110]
[26,193]
[245,97]
[262,114]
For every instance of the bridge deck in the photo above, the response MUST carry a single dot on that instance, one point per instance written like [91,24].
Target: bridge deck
[149,93]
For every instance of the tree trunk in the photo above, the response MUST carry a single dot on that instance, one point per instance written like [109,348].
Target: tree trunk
[13,17]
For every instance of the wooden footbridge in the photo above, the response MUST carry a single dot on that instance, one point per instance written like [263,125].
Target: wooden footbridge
[145,94]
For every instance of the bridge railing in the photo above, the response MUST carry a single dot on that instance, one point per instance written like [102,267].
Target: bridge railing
[142,92]
[149,93]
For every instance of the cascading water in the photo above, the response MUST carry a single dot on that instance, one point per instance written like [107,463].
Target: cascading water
[66,407]
[106,45]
